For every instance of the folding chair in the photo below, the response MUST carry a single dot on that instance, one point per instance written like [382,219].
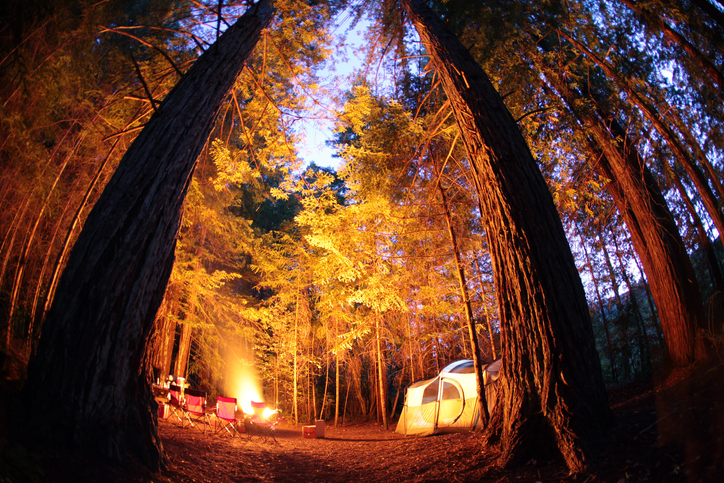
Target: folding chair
[176,403]
[195,411]
[259,425]
[226,415]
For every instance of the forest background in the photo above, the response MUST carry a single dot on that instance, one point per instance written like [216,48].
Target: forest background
[341,288]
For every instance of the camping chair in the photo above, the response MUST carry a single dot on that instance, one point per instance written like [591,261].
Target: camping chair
[176,403]
[259,425]
[226,415]
[195,411]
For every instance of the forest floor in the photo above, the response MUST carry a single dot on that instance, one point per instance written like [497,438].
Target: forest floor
[669,432]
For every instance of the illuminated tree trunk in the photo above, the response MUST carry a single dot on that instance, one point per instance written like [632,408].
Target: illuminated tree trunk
[551,388]
[295,349]
[649,298]
[704,242]
[684,156]
[163,339]
[88,385]
[380,367]
[479,381]
[184,349]
[644,209]
[662,253]
[336,373]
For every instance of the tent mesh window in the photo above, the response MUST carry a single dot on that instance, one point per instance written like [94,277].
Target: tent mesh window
[449,391]
[464,368]
[430,394]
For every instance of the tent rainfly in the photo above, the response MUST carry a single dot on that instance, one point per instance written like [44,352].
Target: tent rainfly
[447,403]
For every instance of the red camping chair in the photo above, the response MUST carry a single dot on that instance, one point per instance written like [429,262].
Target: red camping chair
[176,403]
[195,411]
[226,415]
[258,408]
[259,425]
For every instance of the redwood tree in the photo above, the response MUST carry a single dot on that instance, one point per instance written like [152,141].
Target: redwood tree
[88,384]
[551,387]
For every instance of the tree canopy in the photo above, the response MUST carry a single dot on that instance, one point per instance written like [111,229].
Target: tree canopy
[361,279]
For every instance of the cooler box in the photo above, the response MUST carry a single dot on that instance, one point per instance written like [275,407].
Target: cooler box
[319,428]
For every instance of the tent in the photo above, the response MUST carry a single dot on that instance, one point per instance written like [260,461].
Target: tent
[447,403]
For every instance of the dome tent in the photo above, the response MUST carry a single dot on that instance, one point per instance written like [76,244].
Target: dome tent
[447,403]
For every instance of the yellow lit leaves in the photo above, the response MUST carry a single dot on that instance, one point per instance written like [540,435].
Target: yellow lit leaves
[231,169]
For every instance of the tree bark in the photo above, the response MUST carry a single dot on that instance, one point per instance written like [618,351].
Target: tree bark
[686,158]
[645,211]
[551,387]
[487,311]
[704,242]
[88,384]
[184,350]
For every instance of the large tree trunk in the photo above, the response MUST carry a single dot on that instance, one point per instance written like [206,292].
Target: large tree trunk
[685,157]
[551,388]
[382,409]
[662,253]
[647,216]
[88,384]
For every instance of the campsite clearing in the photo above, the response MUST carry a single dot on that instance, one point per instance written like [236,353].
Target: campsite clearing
[657,428]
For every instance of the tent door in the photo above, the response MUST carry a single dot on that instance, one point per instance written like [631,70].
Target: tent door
[450,402]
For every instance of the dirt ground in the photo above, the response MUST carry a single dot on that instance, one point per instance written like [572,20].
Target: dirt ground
[669,433]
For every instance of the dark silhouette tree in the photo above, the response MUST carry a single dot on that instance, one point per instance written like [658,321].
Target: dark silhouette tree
[89,383]
[552,393]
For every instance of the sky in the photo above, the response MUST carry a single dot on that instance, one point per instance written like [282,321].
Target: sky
[340,65]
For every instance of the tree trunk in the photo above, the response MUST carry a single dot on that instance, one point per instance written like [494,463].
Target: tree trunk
[649,299]
[184,349]
[88,384]
[551,387]
[704,242]
[336,389]
[662,253]
[382,392]
[652,227]
[686,159]
[164,335]
[295,388]
[487,311]
[477,364]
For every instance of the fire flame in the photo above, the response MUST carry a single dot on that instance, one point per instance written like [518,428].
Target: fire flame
[245,386]
[247,390]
